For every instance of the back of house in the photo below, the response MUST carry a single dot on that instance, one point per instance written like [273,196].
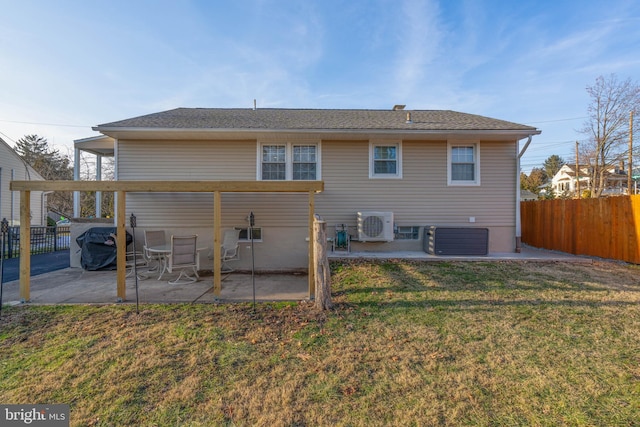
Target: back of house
[388,175]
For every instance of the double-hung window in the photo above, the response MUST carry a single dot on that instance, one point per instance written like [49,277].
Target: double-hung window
[288,162]
[464,164]
[274,166]
[385,160]
[304,162]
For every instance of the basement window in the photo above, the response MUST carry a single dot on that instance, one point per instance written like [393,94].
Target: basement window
[244,234]
[407,232]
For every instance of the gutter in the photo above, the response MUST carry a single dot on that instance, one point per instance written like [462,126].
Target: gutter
[518,222]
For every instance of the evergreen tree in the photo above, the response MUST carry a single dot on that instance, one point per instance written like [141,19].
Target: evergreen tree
[52,165]
[552,165]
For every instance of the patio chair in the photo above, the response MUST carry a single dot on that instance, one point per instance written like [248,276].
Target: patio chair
[183,256]
[154,238]
[230,249]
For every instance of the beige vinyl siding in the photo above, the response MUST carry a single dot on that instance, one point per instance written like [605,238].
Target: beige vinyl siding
[422,196]
[203,160]
[187,160]
[282,217]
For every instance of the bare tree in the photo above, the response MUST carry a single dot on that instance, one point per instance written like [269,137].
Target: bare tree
[607,127]
[535,181]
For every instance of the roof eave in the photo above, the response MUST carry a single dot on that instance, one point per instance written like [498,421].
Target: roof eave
[170,133]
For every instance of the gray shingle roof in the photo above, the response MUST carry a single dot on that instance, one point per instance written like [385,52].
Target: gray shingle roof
[312,119]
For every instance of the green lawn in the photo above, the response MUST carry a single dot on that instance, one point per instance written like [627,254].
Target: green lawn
[408,343]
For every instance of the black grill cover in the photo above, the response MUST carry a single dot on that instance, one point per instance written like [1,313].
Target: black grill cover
[98,248]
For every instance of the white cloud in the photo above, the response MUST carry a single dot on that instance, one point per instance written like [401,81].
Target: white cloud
[417,46]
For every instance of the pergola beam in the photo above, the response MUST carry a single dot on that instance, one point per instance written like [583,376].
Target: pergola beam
[172,186]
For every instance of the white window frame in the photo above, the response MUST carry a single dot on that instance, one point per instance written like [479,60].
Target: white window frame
[476,163]
[398,174]
[402,231]
[289,159]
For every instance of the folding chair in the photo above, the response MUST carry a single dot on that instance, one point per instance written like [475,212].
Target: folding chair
[154,238]
[183,256]
[230,249]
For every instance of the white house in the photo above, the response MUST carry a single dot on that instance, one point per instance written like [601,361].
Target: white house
[12,167]
[564,181]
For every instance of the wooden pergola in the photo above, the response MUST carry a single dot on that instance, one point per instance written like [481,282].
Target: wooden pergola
[122,187]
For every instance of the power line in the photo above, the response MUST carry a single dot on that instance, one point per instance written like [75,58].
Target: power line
[558,120]
[45,124]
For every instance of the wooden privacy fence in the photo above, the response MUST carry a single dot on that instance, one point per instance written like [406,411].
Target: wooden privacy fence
[607,227]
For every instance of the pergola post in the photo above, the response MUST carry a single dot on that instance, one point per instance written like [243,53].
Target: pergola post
[25,246]
[217,262]
[311,268]
[121,247]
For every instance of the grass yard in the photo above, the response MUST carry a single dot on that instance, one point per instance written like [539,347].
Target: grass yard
[408,343]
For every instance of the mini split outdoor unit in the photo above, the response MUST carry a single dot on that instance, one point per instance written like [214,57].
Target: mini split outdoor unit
[375,226]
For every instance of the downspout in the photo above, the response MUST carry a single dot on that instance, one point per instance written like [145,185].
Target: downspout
[518,223]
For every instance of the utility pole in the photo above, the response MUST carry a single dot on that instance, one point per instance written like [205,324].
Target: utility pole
[630,172]
[577,173]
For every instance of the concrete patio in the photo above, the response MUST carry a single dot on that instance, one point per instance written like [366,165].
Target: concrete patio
[74,285]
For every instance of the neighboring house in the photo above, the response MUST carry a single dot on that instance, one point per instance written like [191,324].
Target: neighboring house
[12,167]
[564,181]
[404,170]
[526,195]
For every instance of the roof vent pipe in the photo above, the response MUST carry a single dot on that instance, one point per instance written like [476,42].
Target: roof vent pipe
[255,105]
[409,118]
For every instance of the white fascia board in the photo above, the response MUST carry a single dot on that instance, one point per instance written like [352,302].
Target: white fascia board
[121,132]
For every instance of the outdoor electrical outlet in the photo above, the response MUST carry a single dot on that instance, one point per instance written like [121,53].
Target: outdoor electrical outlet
[472,219]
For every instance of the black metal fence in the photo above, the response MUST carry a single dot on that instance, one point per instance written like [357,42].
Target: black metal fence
[43,240]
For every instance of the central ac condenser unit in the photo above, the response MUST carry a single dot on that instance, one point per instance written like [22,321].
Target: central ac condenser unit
[375,226]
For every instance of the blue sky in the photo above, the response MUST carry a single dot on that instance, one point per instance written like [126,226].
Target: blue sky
[68,65]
